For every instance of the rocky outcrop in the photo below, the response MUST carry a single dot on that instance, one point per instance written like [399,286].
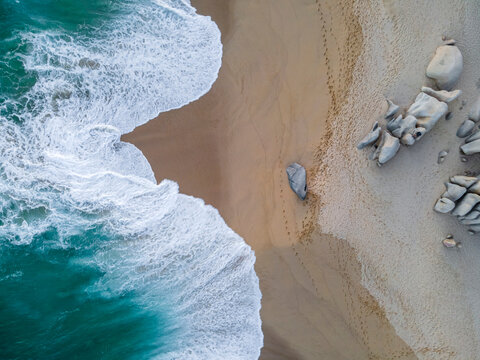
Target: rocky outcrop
[297,178]
[462,200]
[429,107]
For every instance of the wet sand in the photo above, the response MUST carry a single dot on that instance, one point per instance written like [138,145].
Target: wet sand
[286,72]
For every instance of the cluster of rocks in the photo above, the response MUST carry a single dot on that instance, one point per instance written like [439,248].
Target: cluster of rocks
[430,105]
[462,200]
[469,130]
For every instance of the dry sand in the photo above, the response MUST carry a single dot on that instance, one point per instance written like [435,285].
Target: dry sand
[302,81]
[430,295]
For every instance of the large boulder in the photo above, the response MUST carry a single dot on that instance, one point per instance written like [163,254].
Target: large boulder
[446,66]
[297,178]
[427,110]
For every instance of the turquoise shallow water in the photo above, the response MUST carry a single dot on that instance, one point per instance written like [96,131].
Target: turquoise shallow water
[46,311]
[97,261]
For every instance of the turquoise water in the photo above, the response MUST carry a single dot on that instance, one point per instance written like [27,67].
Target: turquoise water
[97,261]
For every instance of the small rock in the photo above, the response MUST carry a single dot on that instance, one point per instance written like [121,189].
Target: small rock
[418,133]
[473,137]
[465,181]
[471,232]
[474,113]
[449,236]
[444,205]
[475,228]
[442,95]
[405,125]
[407,139]
[446,66]
[465,129]
[394,123]
[392,109]
[464,159]
[297,178]
[470,148]
[449,243]
[388,148]
[371,137]
[448,116]
[466,204]
[475,188]
[441,156]
[454,191]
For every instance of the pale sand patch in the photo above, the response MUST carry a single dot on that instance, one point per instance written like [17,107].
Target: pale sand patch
[286,70]
[430,295]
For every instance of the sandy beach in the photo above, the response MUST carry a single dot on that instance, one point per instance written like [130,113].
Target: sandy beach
[287,68]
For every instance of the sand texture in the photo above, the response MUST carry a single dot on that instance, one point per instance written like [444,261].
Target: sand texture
[303,81]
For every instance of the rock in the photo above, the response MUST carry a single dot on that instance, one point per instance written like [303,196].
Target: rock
[465,181]
[448,116]
[454,191]
[470,148]
[463,159]
[472,215]
[444,205]
[418,133]
[405,125]
[474,113]
[392,109]
[407,139]
[371,137]
[471,232]
[446,66]
[475,188]
[473,137]
[449,243]
[395,123]
[427,110]
[441,156]
[442,95]
[297,178]
[466,204]
[474,228]
[450,42]
[465,129]
[388,148]
[470,221]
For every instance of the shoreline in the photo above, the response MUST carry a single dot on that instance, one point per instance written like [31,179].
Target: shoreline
[271,105]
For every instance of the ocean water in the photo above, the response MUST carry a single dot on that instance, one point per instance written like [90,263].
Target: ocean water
[97,260]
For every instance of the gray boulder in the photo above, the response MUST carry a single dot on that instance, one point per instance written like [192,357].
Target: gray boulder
[297,178]
[466,128]
[446,66]
[474,113]
[371,137]
[428,110]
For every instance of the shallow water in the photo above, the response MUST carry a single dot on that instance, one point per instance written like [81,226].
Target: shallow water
[97,261]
